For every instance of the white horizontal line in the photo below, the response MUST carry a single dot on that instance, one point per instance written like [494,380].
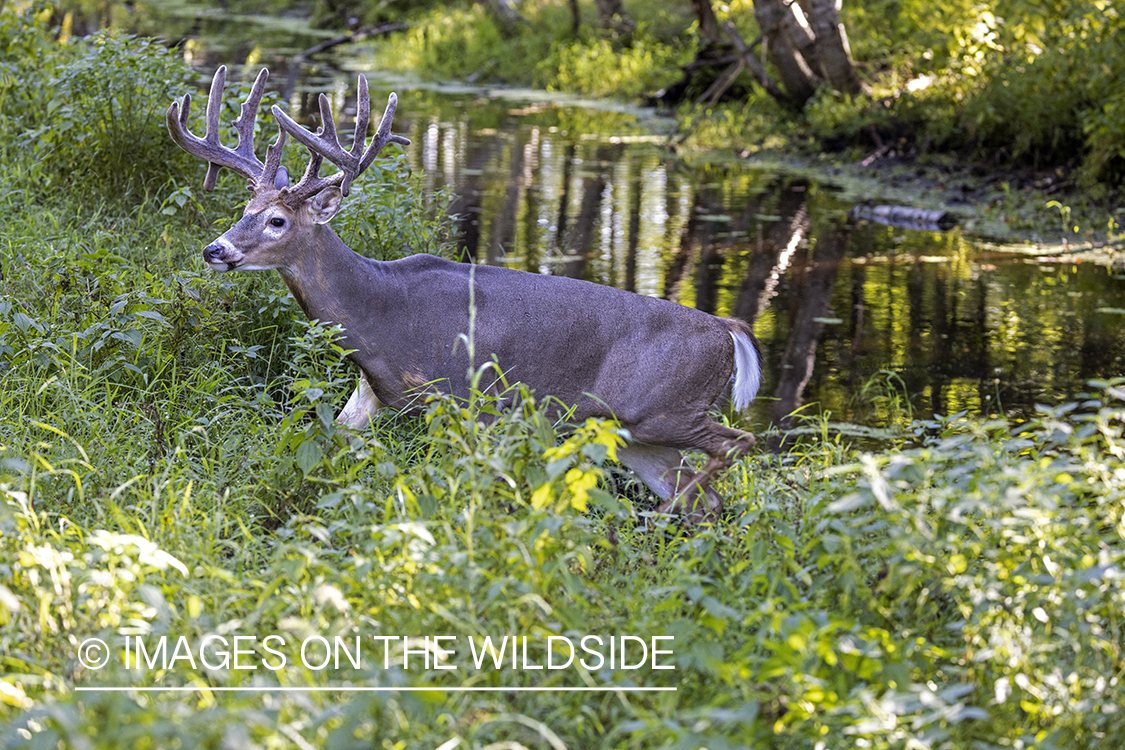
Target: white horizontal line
[368,689]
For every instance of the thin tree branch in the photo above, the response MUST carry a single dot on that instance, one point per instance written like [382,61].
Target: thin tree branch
[746,52]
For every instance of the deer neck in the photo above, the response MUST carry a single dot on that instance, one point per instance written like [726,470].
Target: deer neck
[321,274]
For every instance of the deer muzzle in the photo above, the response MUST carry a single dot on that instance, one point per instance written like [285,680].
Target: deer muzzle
[221,257]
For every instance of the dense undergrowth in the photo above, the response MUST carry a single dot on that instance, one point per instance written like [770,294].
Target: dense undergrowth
[169,467]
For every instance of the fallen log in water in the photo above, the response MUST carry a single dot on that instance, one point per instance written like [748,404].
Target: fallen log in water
[906,217]
[364,32]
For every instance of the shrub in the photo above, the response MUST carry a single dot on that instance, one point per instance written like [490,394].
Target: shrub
[600,68]
[88,116]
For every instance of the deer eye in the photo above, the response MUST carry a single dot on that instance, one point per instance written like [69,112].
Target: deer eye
[277,221]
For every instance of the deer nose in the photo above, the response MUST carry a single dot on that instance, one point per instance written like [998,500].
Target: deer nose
[213,252]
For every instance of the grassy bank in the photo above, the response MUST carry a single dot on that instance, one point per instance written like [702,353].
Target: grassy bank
[169,468]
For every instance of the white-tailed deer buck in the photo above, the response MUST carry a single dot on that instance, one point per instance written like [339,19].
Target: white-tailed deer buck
[659,368]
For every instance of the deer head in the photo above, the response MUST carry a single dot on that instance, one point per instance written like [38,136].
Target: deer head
[280,221]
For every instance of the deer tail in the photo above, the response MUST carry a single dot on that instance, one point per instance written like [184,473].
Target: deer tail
[747,375]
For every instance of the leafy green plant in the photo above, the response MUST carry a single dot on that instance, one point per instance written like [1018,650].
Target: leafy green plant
[385,219]
[101,127]
[26,46]
[888,394]
[600,68]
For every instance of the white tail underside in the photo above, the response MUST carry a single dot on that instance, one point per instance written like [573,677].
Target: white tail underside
[747,371]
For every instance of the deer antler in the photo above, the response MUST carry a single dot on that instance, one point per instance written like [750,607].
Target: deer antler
[241,158]
[325,144]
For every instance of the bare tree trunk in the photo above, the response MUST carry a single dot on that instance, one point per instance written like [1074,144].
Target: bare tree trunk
[509,19]
[804,40]
[774,18]
[796,26]
[708,25]
[832,43]
[575,18]
[808,45]
[614,16]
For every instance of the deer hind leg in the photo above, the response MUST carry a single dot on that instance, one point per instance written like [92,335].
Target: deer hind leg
[662,469]
[361,407]
[696,499]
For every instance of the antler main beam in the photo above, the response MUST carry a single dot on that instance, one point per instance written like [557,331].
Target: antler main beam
[241,158]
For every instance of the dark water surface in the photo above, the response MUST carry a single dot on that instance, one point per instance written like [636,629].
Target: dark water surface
[866,321]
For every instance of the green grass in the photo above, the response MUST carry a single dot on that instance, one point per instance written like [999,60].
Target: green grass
[465,42]
[169,467]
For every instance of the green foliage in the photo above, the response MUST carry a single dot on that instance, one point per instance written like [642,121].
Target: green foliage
[1038,77]
[460,42]
[385,219]
[1010,540]
[962,590]
[750,126]
[93,122]
[602,68]
[24,48]
[322,379]
[169,466]
[1019,81]
[109,127]
[1015,81]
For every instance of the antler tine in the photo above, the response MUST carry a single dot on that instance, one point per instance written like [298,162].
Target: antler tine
[362,115]
[268,178]
[241,158]
[211,134]
[248,114]
[383,134]
[244,126]
[312,172]
[325,144]
[327,130]
[319,146]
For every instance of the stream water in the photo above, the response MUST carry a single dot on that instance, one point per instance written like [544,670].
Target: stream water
[869,322]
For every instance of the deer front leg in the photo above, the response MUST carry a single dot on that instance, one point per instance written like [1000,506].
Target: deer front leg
[661,469]
[361,407]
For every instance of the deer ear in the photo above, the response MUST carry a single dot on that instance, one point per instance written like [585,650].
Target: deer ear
[324,205]
[281,181]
